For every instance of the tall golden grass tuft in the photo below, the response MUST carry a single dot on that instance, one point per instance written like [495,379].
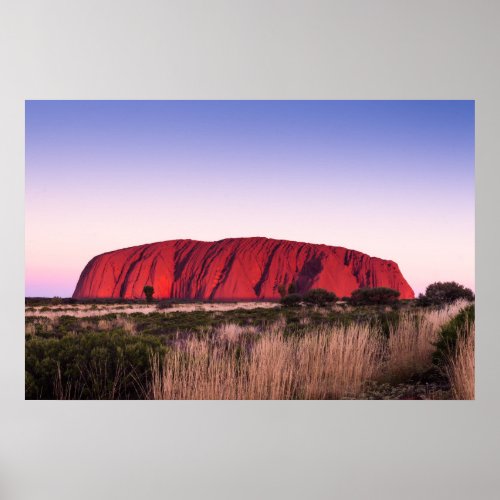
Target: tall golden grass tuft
[329,363]
[268,372]
[197,370]
[461,366]
[337,361]
[410,346]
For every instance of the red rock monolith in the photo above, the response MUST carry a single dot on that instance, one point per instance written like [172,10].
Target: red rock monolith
[234,269]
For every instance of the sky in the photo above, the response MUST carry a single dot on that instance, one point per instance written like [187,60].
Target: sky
[393,179]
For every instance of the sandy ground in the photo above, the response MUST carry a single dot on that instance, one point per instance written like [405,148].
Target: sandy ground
[81,310]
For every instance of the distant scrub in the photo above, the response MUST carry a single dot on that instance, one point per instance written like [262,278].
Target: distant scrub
[316,296]
[319,297]
[374,296]
[166,324]
[45,301]
[164,304]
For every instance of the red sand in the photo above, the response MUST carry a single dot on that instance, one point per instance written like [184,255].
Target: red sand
[234,269]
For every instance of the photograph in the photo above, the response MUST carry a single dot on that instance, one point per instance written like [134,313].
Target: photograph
[249,250]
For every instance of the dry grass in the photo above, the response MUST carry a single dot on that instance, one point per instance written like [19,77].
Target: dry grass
[461,367]
[336,363]
[123,322]
[325,363]
[410,346]
[47,324]
[30,329]
[411,343]
[330,363]
[43,324]
[231,332]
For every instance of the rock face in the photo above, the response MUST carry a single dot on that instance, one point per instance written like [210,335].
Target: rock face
[234,269]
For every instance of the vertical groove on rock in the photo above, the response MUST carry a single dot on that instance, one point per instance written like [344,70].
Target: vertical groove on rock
[131,267]
[265,272]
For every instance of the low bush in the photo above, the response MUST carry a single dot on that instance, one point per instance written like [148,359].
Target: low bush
[374,296]
[319,297]
[291,300]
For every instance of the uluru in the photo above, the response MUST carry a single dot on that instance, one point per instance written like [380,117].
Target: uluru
[234,269]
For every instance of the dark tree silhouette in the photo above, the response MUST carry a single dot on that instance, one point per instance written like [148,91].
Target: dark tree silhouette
[148,292]
[442,293]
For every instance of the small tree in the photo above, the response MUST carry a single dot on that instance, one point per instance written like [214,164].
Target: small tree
[148,292]
[292,288]
[319,297]
[374,296]
[447,292]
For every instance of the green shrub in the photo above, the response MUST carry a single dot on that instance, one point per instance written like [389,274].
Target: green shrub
[423,301]
[109,365]
[319,297]
[67,324]
[445,293]
[450,332]
[291,300]
[374,296]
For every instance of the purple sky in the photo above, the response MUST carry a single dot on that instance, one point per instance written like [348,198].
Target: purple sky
[393,179]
